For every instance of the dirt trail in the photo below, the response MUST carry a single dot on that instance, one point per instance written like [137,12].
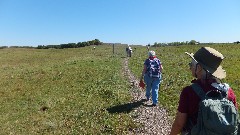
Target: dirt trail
[154,119]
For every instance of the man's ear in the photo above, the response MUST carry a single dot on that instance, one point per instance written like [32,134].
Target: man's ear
[199,68]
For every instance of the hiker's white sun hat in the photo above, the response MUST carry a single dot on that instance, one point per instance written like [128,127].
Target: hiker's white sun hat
[151,53]
[210,59]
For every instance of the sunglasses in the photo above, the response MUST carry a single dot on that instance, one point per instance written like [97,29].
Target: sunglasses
[190,64]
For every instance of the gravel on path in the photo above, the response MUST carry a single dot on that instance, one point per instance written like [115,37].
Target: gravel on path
[154,119]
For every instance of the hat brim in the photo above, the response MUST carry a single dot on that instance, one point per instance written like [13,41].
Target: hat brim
[191,55]
[220,73]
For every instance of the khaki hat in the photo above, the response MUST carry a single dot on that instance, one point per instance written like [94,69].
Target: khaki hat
[210,59]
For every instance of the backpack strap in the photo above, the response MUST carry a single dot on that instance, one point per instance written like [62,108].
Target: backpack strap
[198,90]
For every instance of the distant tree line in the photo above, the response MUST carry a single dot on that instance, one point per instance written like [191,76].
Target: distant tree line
[2,47]
[98,42]
[71,45]
[192,42]
[236,42]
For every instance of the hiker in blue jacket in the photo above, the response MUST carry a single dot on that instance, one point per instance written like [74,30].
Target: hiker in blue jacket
[152,73]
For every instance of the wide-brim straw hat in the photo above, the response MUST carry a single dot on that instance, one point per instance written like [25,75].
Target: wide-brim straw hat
[210,59]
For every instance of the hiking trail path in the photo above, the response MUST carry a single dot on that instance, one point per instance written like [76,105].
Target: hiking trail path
[154,119]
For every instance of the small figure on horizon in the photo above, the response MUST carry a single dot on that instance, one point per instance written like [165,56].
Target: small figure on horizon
[129,51]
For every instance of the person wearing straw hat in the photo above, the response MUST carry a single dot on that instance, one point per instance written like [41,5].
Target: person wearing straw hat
[205,67]
[152,73]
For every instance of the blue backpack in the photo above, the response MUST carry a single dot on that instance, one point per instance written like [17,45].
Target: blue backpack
[153,67]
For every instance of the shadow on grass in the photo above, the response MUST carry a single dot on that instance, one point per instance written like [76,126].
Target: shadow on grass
[125,108]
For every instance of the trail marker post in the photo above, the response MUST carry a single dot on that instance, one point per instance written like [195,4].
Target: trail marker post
[113,48]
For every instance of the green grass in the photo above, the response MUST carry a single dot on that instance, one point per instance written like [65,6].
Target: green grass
[63,91]
[176,73]
[83,91]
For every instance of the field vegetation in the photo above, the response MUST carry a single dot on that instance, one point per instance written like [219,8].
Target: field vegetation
[70,91]
[176,73]
[64,91]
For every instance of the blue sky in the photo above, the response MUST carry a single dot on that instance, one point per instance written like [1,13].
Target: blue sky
[46,22]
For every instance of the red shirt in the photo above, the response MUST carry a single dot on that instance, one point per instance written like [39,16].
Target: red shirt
[189,100]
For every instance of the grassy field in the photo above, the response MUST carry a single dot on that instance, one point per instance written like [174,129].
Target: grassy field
[176,73]
[63,91]
[69,91]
